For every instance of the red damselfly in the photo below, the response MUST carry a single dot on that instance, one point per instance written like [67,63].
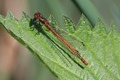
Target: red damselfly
[44,21]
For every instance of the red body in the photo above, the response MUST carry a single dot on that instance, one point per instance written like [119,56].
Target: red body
[48,26]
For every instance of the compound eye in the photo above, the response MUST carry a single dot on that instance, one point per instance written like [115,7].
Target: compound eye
[38,14]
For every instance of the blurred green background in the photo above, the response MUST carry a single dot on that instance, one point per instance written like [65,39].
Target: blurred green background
[20,64]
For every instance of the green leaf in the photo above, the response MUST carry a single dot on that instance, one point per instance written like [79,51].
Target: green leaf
[101,49]
[69,25]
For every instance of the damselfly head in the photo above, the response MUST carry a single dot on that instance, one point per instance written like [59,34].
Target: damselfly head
[37,14]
